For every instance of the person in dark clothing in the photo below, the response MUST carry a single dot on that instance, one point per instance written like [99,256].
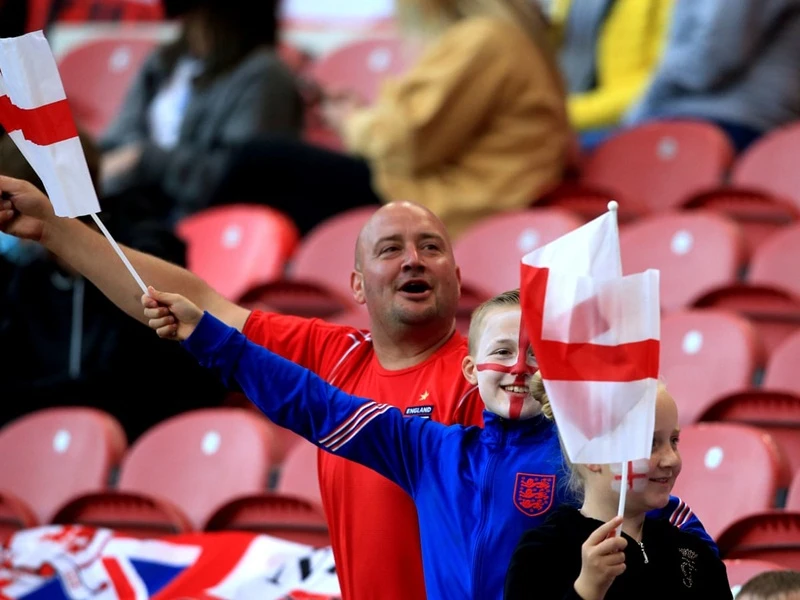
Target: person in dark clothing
[64,343]
[575,554]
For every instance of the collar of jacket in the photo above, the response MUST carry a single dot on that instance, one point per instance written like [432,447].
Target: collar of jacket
[517,432]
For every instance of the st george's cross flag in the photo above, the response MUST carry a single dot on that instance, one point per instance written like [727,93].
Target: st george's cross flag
[595,334]
[35,114]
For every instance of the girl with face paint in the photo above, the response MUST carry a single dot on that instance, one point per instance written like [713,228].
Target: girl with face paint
[476,490]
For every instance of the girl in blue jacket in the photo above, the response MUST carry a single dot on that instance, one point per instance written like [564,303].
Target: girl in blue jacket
[477,490]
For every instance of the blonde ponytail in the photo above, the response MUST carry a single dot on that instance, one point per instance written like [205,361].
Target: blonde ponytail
[538,392]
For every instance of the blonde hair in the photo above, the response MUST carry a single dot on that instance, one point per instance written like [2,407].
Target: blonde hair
[506,299]
[430,18]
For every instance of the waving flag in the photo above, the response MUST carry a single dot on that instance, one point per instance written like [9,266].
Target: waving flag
[35,113]
[596,337]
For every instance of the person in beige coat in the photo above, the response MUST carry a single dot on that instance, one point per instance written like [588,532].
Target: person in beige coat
[477,125]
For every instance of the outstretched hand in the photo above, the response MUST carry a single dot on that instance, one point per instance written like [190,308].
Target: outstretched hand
[172,316]
[23,209]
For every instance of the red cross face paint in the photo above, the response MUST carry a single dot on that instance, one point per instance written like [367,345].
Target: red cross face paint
[504,365]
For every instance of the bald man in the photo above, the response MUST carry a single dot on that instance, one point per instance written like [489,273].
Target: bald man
[406,276]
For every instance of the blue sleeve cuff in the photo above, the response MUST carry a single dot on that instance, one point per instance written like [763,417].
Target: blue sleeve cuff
[208,337]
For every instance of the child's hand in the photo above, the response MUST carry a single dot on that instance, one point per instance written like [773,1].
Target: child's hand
[171,315]
[603,559]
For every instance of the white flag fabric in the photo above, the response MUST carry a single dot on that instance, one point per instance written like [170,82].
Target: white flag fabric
[596,337]
[34,112]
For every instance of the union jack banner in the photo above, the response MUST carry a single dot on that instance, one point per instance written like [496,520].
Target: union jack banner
[81,563]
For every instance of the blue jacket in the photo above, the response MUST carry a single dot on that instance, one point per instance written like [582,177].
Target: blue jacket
[477,490]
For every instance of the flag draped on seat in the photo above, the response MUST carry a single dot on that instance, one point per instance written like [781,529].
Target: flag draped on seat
[596,336]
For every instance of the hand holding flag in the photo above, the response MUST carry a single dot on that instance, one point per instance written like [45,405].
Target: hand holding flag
[596,336]
[35,114]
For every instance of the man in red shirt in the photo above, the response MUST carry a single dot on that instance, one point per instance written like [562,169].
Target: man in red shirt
[406,276]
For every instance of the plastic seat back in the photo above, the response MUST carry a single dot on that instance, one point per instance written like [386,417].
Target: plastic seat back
[97,75]
[706,354]
[775,262]
[489,252]
[238,247]
[660,163]
[695,251]
[729,471]
[54,454]
[199,460]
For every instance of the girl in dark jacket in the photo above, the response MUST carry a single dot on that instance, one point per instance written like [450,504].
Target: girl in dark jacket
[576,556]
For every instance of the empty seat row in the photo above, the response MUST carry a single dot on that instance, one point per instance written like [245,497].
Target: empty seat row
[204,469]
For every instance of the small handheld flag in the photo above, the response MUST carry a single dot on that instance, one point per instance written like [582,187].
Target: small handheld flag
[595,334]
[35,114]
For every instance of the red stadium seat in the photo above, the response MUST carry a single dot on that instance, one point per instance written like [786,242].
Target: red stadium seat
[294,512]
[704,355]
[781,371]
[489,252]
[54,454]
[97,75]
[694,251]
[659,164]
[589,202]
[360,66]
[742,570]
[739,464]
[793,495]
[771,535]
[318,280]
[237,247]
[179,472]
[776,262]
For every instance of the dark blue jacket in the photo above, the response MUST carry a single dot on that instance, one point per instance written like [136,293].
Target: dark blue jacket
[477,490]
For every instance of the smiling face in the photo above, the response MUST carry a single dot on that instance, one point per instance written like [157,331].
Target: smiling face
[405,271]
[501,363]
[663,468]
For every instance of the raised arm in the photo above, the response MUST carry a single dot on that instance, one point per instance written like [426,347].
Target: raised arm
[27,213]
[375,435]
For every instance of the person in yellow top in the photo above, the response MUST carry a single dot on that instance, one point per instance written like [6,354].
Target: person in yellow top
[608,51]
[477,125]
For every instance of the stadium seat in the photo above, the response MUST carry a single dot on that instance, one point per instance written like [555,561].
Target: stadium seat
[770,535]
[360,66]
[54,454]
[317,283]
[776,262]
[742,570]
[775,313]
[489,252]
[769,164]
[729,471]
[589,202]
[97,74]
[694,251]
[238,247]
[793,495]
[179,472]
[659,164]
[704,355]
[293,512]
[781,372]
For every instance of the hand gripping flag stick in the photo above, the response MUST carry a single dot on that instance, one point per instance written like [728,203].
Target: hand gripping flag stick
[35,114]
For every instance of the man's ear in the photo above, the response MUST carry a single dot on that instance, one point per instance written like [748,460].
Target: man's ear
[468,367]
[357,287]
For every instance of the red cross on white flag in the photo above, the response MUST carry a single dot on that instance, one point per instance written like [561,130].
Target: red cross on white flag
[596,336]
[35,114]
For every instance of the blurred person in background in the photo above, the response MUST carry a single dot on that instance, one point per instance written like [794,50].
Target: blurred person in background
[218,84]
[477,125]
[607,50]
[735,64]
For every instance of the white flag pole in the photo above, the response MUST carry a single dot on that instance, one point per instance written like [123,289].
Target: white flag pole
[119,252]
[623,493]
